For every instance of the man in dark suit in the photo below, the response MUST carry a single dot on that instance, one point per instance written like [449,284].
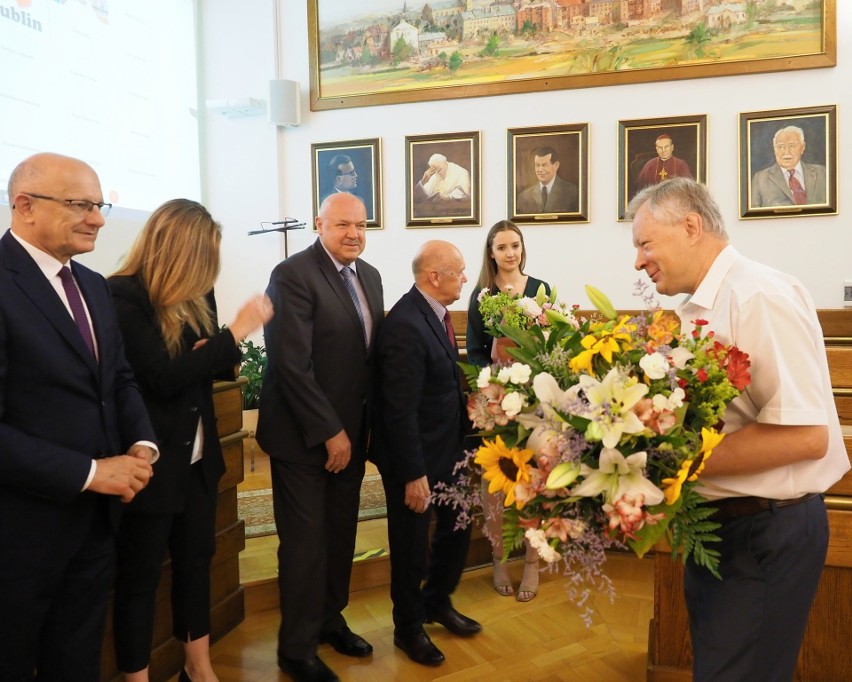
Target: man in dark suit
[789,181]
[420,425]
[69,408]
[551,194]
[313,422]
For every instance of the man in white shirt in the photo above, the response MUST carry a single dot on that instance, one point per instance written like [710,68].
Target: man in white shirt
[783,445]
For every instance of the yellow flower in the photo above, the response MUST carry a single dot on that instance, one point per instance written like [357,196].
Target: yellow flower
[504,468]
[674,485]
[689,470]
[607,342]
[662,329]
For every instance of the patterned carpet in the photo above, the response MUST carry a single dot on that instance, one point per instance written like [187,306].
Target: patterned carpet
[255,506]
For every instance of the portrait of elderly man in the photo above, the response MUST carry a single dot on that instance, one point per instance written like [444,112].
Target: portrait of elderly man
[789,181]
[444,180]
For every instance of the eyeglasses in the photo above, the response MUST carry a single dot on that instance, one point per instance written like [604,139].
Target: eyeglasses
[789,147]
[352,173]
[80,205]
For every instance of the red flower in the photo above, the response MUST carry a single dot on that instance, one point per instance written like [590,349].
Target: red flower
[700,323]
[737,368]
[701,375]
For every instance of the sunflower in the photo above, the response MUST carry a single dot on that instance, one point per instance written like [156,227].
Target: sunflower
[504,467]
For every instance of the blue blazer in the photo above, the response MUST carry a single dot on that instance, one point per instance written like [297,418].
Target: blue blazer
[59,408]
[421,418]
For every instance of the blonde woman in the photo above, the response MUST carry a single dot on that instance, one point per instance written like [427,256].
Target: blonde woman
[502,270]
[163,295]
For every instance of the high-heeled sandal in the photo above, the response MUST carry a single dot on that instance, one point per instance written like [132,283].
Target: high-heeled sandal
[528,589]
[502,580]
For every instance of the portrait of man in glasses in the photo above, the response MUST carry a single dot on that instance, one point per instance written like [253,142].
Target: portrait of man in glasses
[348,173]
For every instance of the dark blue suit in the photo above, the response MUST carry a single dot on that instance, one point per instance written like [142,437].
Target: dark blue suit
[419,429]
[60,409]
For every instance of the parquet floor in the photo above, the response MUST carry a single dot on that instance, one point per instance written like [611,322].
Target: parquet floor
[543,640]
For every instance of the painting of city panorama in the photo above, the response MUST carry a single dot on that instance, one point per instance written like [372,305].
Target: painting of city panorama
[387,51]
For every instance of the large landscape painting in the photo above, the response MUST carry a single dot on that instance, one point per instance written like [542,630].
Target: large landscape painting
[387,51]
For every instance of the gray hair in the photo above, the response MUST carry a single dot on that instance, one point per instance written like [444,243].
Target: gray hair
[789,129]
[671,200]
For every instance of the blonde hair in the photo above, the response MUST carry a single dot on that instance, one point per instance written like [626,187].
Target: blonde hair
[176,256]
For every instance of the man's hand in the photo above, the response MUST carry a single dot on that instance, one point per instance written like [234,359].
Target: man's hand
[122,475]
[428,173]
[417,495]
[339,452]
[143,452]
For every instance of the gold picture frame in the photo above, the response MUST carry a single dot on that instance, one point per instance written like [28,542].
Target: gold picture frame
[442,181]
[774,142]
[651,150]
[380,53]
[548,174]
[353,166]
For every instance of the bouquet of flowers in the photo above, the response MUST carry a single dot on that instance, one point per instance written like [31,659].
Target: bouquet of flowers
[508,309]
[597,434]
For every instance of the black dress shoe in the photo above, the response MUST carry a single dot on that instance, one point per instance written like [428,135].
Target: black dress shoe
[307,669]
[453,621]
[347,643]
[419,648]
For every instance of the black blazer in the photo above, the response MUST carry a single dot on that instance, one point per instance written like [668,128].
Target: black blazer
[59,408]
[421,419]
[177,391]
[478,342]
[319,376]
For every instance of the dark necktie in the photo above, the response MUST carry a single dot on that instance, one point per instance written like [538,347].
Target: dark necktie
[543,197]
[347,274]
[77,308]
[799,195]
[448,325]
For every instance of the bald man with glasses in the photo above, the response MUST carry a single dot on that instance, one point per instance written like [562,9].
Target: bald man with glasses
[75,439]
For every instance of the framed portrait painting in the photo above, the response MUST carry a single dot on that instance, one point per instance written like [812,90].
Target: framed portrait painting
[548,170]
[352,166]
[655,149]
[442,185]
[788,162]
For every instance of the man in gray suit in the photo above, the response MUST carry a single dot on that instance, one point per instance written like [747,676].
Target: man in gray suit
[788,182]
[551,194]
[314,412]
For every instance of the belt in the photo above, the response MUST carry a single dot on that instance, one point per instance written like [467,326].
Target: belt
[734,507]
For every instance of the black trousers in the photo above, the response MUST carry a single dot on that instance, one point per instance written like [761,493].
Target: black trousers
[54,592]
[749,625]
[413,558]
[316,514]
[190,538]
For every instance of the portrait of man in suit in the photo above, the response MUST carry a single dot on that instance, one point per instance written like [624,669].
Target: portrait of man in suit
[790,181]
[550,193]
[348,167]
[75,437]
[547,174]
[313,421]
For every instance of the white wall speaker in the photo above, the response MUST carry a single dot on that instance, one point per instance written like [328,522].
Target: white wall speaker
[284,103]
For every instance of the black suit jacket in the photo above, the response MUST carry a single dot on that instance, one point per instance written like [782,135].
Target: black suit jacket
[421,418]
[59,408]
[319,376]
[177,391]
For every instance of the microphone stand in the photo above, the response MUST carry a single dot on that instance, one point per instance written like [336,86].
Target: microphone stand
[280,226]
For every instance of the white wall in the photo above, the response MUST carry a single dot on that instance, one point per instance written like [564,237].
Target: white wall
[254,171]
[814,249]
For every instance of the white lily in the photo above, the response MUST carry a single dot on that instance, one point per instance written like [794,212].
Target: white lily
[611,404]
[616,476]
